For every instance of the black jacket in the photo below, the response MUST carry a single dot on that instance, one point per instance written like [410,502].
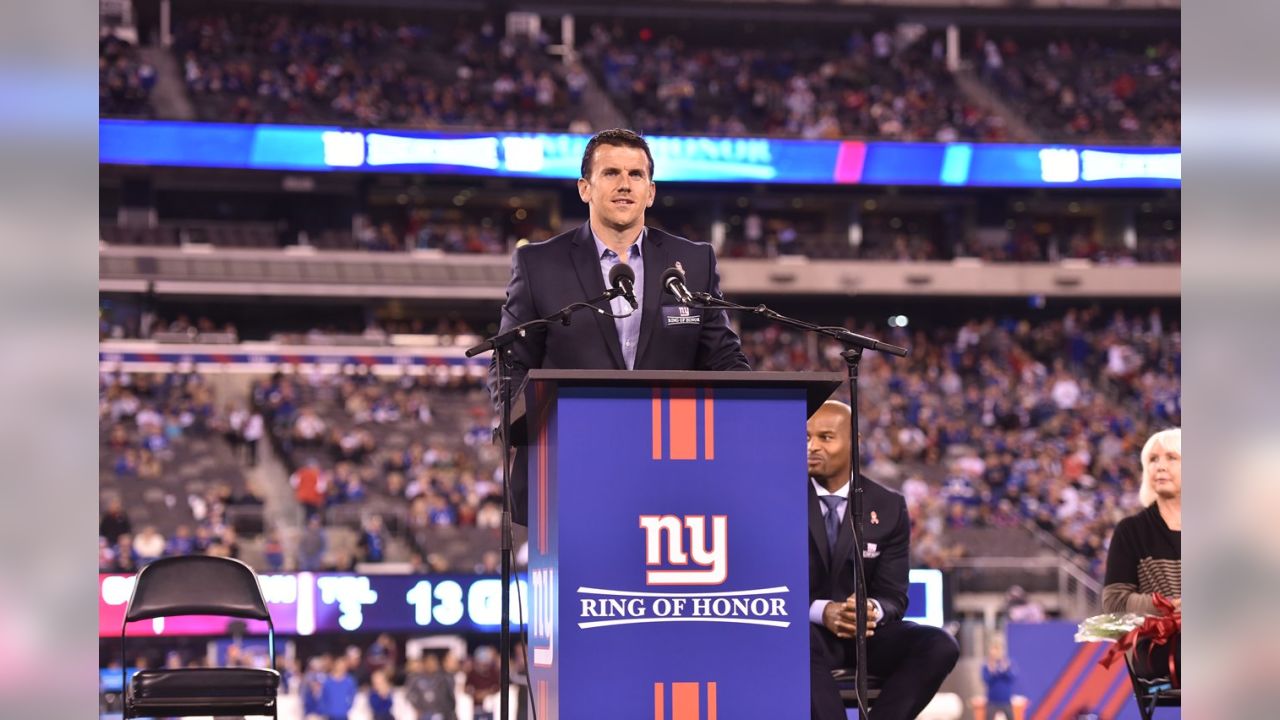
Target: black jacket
[888,529]
[548,276]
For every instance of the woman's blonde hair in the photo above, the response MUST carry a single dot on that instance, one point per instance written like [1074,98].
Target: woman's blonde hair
[1170,439]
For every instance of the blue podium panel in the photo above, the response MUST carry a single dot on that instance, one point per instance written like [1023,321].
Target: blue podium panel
[667,552]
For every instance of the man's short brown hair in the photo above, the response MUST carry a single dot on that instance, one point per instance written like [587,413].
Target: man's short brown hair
[618,137]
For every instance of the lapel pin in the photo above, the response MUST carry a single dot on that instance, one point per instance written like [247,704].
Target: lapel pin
[875,519]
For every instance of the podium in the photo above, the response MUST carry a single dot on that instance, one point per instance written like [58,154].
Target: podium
[668,561]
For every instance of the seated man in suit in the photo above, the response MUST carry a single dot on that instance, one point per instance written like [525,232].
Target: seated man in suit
[911,660]
[617,187]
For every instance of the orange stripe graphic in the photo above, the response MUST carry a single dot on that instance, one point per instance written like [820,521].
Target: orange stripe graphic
[684,701]
[659,713]
[657,424]
[542,696]
[684,424]
[711,697]
[542,486]
[1078,663]
[1094,687]
[1119,694]
[709,430]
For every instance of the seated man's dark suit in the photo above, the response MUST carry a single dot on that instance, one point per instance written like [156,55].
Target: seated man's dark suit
[548,276]
[911,660]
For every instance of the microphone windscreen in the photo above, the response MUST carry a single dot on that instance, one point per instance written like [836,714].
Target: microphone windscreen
[620,271]
[670,273]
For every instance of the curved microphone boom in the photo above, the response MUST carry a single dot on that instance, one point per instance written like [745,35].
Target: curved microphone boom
[673,282]
[623,280]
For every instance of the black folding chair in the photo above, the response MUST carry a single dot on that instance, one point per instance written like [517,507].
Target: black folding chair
[1151,693]
[199,585]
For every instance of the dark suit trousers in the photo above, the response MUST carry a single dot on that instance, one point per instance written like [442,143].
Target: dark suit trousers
[911,660]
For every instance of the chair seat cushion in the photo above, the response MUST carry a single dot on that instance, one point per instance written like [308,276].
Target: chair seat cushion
[846,681]
[848,676]
[205,682]
[203,691]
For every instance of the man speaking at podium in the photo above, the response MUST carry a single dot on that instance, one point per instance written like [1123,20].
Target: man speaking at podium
[911,660]
[575,266]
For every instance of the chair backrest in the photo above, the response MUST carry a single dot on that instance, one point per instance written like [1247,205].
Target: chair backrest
[196,585]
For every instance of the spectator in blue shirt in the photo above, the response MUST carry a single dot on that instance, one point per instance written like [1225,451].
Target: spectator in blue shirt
[380,696]
[373,542]
[998,676]
[181,543]
[313,686]
[338,693]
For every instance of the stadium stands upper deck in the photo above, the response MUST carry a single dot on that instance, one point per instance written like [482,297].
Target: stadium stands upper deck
[892,78]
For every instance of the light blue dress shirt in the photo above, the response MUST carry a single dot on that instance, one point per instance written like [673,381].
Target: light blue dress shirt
[628,327]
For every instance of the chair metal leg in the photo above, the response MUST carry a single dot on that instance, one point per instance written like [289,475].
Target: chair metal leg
[1146,708]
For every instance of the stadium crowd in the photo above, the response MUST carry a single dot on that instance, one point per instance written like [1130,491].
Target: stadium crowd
[994,422]
[125,81]
[875,86]
[1089,88]
[255,64]
[418,448]
[148,425]
[904,237]
[264,66]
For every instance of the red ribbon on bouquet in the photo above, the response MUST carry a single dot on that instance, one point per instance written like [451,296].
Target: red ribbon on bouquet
[1165,628]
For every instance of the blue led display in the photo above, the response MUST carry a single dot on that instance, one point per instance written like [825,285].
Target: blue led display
[677,159]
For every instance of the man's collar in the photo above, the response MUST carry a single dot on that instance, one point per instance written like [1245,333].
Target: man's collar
[601,248]
[842,491]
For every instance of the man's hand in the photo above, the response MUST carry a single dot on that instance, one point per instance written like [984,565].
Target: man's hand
[841,618]
[1177,604]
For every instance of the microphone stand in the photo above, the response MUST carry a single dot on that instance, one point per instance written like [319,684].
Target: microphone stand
[854,344]
[501,345]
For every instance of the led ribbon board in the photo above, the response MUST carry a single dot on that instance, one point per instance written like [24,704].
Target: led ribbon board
[557,156]
[310,603]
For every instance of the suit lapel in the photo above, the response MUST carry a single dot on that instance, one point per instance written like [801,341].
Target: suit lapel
[817,529]
[655,262]
[587,265]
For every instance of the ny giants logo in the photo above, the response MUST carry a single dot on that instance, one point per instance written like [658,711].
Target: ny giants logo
[711,560]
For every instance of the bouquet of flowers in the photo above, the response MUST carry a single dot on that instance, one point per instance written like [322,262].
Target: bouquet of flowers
[1108,627]
[1128,630]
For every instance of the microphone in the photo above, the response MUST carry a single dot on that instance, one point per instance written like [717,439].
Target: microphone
[623,281]
[673,282]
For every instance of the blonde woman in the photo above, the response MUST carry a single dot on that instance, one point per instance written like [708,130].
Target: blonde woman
[1145,556]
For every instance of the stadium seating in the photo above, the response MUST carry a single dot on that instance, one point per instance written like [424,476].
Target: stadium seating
[887,81]
[125,81]
[171,470]
[263,65]
[988,427]
[1089,87]
[874,84]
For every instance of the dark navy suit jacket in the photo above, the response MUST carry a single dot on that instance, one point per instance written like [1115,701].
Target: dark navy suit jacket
[550,275]
[911,660]
[885,551]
